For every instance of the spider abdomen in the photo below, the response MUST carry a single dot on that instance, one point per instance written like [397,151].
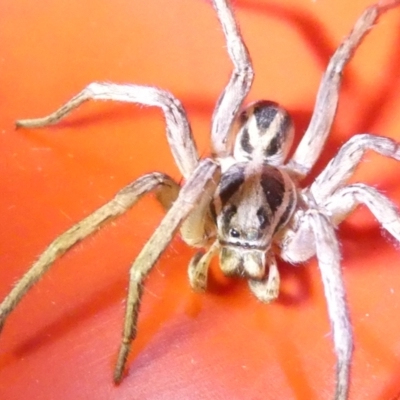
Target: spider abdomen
[264,133]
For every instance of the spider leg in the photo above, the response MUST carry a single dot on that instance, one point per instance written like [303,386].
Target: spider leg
[297,243]
[238,86]
[328,255]
[267,289]
[346,199]
[326,246]
[199,227]
[198,267]
[342,166]
[122,202]
[179,133]
[206,176]
[327,99]
[327,191]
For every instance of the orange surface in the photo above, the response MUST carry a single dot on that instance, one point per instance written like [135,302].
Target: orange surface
[61,341]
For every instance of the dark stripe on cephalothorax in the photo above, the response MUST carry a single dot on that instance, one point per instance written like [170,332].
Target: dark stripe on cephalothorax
[227,215]
[245,141]
[263,218]
[231,180]
[273,187]
[286,214]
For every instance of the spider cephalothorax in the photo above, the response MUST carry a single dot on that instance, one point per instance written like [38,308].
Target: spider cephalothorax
[253,202]
[245,202]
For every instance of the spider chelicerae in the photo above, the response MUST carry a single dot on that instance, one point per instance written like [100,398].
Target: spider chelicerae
[246,202]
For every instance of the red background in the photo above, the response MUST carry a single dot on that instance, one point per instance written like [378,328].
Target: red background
[61,341]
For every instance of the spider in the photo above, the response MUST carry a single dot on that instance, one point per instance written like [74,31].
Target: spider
[244,203]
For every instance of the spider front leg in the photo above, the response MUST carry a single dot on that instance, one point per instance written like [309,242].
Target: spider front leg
[121,203]
[238,86]
[326,103]
[326,247]
[342,166]
[179,133]
[203,181]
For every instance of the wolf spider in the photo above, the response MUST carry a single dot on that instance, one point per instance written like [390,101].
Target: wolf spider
[245,202]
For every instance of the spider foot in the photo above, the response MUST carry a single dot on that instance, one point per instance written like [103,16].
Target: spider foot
[120,365]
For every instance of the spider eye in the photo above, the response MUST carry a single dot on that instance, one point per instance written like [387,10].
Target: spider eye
[234,233]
